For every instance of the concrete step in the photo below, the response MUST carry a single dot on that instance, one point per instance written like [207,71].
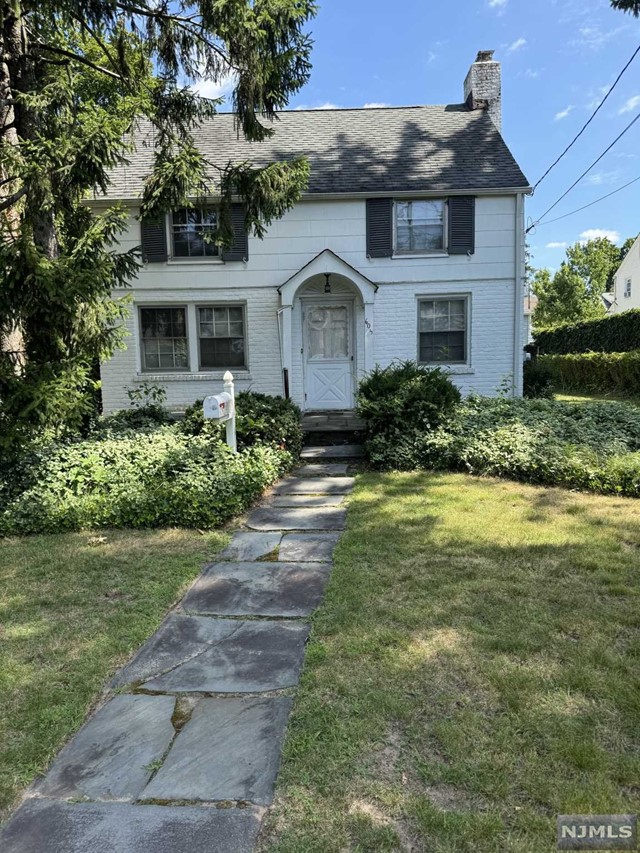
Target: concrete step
[333,451]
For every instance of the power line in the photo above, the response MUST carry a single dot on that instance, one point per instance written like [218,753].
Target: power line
[591,203]
[586,171]
[593,115]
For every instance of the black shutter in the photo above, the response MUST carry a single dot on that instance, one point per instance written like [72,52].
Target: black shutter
[462,225]
[154,240]
[379,227]
[239,249]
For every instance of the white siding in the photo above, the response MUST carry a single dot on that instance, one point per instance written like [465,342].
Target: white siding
[312,226]
[628,269]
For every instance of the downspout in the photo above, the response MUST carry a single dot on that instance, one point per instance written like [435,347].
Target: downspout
[519,297]
[285,372]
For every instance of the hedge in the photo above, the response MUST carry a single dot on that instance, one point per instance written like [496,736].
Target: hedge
[617,333]
[610,372]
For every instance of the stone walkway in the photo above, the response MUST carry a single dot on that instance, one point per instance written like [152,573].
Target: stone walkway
[184,757]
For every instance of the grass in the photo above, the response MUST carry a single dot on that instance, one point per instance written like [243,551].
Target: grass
[73,607]
[596,398]
[474,671]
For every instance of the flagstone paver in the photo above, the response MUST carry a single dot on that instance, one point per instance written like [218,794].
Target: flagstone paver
[196,654]
[239,630]
[109,758]
[323,469]
[250,545]
[308,547]
[258,589]
[51,826]
[306,500]
[333,451]
[314,486]
[229,750]
[297,518]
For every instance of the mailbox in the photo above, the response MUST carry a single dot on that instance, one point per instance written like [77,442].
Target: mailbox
[218,407]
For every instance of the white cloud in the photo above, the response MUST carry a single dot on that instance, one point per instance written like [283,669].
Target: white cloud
[531,73]
[221,88]
[630,105]
[498,4]
[375,105]
[516,45]
[593,38]
[431,57]
[595,233]
[326,106]
[597,179]
[556,245]
[564,113]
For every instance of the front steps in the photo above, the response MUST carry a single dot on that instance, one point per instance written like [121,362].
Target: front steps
[335,434]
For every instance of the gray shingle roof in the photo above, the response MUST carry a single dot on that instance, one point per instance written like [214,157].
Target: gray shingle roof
[391,149]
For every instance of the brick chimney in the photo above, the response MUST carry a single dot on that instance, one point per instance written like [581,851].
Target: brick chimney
[483,86]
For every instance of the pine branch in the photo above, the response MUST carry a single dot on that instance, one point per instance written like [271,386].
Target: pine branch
[76,57]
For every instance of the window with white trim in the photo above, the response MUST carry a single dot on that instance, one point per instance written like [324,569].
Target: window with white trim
[443,330]
[193,231]
[627,287]
[221,336]
[420,227]
[163,337]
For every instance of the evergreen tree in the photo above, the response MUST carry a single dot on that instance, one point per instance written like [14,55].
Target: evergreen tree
[75,77]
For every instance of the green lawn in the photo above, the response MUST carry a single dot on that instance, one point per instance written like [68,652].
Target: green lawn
[475,671]
[72,608]
[596,398]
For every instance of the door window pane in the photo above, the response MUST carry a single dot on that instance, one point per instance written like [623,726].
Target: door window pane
[442,331]
[221,336]
[328,331]
[164,339]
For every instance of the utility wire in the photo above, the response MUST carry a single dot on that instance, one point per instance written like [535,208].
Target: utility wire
[591,203]
[593,115]
[586,171]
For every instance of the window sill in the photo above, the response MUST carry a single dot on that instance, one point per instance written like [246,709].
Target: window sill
[191,262]
[200,376]
[397,256]
[455,369]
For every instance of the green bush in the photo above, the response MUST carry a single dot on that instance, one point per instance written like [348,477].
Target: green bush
[594,446]
[152,478]
[538,379]
[617,333]
[611,372]
[405,397]
[260,418]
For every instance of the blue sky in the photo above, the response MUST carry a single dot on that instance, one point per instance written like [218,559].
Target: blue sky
[557,57]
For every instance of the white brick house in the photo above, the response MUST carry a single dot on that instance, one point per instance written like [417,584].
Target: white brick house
[408,244]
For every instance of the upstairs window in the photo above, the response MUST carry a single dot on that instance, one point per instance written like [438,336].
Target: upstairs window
[442,331]
[627,287]
[420,227]
[221,334]
[164,339]
[193,231]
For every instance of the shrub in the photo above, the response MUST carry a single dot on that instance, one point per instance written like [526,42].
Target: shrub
[538,379]
[260,418]
[405,397]
[617,333]
[146,479]
[594,446]
[611,372]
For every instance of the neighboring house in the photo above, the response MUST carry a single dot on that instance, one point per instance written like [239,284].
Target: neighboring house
[408,244]
[626,283]
[530,305]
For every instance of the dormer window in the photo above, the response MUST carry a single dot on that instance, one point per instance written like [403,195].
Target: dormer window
[420,227]
[193,231]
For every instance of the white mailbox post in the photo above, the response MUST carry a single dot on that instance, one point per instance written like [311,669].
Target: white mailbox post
[221,408]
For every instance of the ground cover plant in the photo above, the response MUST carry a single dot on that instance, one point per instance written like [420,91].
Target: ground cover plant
[474,671]
[594,446]
[135,470]
[73,607]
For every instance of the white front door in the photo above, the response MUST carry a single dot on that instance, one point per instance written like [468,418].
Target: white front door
[328,354]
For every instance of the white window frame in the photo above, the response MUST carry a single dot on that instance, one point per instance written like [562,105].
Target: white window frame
[179,259]
[159,307]
[446,297]
[627,287]
[440,253]
[235,304]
